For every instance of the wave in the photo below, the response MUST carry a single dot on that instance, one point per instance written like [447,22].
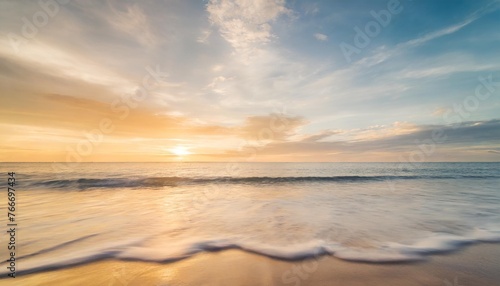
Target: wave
[155,182]
[138,250]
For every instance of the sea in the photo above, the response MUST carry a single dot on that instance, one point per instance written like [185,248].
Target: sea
[69,214]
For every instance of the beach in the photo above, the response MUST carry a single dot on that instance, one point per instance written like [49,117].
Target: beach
[475,265]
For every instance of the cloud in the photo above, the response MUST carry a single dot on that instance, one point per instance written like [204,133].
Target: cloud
[311,8]
[245,24]
[440,111]
[439,33]
[70,114]
[453,28]
[381,131]
[458,141]
[133,22]
[127,19]
[383,53]
[433,70]
[62,64]
[273,127]
[321,37]
[203,38]
[321,135]
[465,135]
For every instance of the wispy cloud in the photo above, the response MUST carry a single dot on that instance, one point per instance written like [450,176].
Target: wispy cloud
[491,7]
[447,65]
[321,37]
[63,63]
[205,35]
[383,53]
[323,135]
[131,20]
[273,127]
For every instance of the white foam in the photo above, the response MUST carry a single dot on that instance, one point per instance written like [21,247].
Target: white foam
[140,250]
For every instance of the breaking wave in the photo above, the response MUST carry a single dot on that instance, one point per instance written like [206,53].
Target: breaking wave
[155,182]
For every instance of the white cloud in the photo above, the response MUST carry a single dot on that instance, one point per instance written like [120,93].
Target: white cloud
[445,70]
[321,37]
[245,24]
[439,33]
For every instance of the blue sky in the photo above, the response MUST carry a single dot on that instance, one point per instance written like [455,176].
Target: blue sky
[230,69]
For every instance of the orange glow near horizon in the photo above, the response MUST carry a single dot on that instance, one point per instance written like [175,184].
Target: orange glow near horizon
[180,151]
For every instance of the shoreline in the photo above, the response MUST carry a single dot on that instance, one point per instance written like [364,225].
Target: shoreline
[473,265]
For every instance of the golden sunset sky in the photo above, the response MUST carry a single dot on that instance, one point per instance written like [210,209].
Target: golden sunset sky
[249,80]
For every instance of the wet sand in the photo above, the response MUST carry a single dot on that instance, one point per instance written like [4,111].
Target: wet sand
[477,265]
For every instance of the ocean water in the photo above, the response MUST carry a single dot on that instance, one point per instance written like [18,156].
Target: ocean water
[161,212]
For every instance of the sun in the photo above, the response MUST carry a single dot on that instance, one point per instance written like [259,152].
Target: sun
[180,151]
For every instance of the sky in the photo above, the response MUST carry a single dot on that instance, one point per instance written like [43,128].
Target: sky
[250,81]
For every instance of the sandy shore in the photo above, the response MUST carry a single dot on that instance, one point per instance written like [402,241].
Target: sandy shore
[477,265]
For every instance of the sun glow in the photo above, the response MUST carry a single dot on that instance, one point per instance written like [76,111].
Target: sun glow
[180,151]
